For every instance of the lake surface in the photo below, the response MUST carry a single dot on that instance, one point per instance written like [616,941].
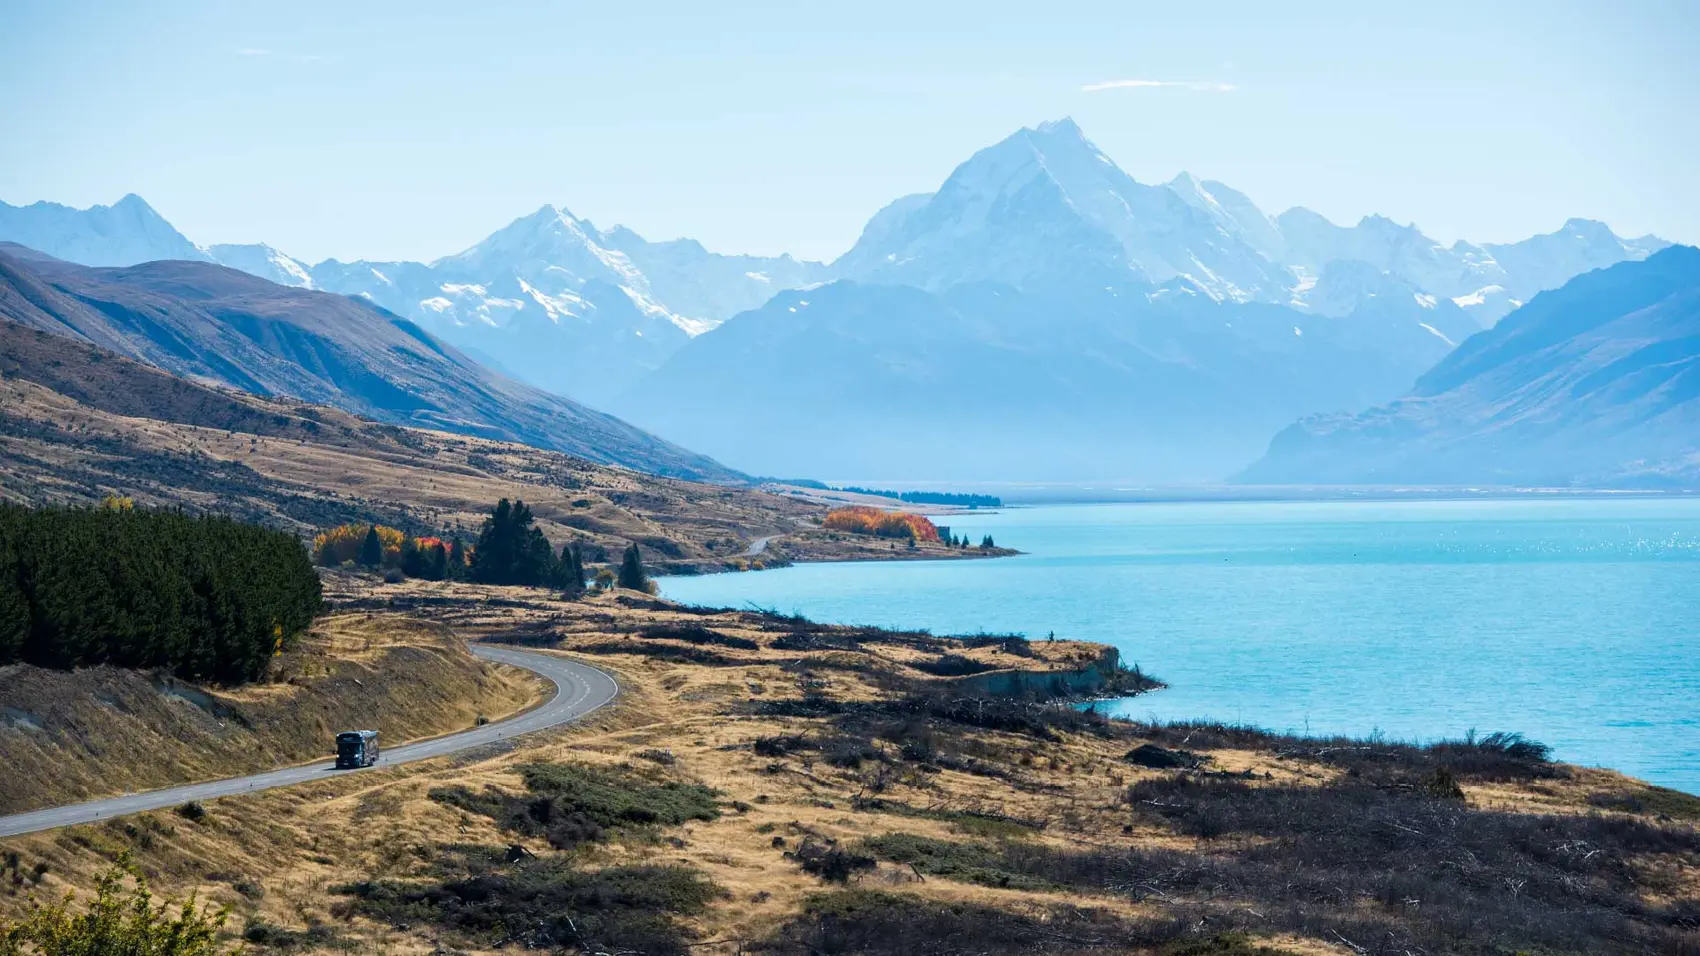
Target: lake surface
[1574,621]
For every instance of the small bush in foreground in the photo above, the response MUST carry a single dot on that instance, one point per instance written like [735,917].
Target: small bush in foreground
[117,922]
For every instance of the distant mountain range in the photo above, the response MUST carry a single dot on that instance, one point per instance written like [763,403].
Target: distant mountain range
[982,379]
[1594,384]
[1046,208]
[1061,319]
[1044,317]
[210,323]
[549,299]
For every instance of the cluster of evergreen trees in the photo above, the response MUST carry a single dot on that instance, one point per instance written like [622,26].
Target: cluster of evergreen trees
[511,549]
[958,499]
[208,597]
[428,559]
[961,541]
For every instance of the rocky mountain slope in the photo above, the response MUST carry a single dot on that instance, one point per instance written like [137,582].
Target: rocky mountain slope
[206,322]
[1594,384]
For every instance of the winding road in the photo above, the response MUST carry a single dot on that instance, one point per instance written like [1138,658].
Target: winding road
[579,690]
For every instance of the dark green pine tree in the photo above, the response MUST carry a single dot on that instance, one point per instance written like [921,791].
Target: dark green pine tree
[493,554]
[371,550]
[412,559]
[572,570]
[206,597]
[512,549]
[986,543]
[631,573]
[457,561]
[436,563]
[14,606]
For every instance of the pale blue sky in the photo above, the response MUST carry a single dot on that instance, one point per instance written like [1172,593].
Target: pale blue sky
[411,130]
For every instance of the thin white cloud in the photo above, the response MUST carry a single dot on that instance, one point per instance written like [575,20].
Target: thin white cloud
[1197,86]
[253,51]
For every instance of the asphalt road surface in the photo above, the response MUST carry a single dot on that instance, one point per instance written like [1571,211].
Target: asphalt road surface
[579,690]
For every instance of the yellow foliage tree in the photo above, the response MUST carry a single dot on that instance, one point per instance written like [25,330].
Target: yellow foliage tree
[342,543]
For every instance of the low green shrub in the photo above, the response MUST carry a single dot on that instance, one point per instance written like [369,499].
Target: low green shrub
[547,904]
[572,804]
[119,921]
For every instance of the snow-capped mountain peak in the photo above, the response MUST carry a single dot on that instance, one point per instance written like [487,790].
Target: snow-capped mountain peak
[264,261]
[1046,207]
[122,234]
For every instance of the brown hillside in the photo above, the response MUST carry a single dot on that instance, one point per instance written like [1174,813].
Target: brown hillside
[209,323]
[78,423]
[78,735]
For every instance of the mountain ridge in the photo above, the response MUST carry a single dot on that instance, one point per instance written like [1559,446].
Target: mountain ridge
[208,322]
[1594,384]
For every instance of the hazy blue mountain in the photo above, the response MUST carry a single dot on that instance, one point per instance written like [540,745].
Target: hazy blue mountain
[551,298]
[592,314]
[710,286]
[122,234]
[568,307]
[1487,281]
[1045,209]
[871,381]
[1235,213]
[1550,260]
[210,323]
[262,260]
[542,297]
[1594,384]
[1352,288]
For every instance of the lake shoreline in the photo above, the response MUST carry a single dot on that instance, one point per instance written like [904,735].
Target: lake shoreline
[1417,619]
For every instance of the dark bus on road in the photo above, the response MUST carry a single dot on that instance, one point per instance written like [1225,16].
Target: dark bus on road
[356,748]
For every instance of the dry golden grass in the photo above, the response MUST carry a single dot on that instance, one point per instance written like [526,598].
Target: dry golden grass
[79,735]
[299,843]
[306,467]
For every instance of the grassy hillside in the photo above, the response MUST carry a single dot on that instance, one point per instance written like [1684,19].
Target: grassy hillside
[78,735]
[78,423]
[770,785]
[209,323]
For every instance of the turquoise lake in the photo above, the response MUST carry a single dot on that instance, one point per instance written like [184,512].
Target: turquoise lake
[1573,621]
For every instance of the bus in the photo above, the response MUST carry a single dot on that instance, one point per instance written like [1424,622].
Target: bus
[356,748]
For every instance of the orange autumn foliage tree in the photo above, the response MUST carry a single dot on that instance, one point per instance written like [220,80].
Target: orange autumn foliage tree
[859,519]
[342,543]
